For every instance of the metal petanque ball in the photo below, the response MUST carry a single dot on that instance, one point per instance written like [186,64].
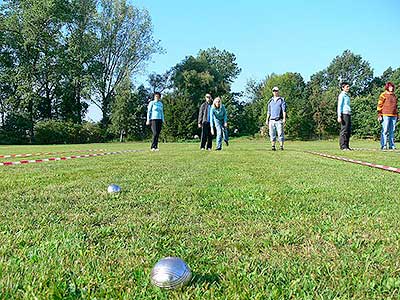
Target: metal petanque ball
[113,188]
[170,273]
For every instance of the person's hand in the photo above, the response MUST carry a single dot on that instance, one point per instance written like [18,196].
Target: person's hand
[380,118]
[147,122]
[199,125]
[339,119]
[212,131]
[225,125]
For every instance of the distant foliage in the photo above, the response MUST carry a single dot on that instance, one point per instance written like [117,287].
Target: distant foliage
[59,132]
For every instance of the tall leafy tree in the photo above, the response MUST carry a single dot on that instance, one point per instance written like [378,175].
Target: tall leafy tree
[125,43]
[211,71]
[324,86]
[80,49]
[33,30]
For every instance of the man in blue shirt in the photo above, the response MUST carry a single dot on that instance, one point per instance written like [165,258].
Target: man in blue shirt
[344,116]
[276,118]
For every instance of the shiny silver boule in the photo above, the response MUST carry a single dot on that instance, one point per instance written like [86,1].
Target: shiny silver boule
[170,273]
[113,188]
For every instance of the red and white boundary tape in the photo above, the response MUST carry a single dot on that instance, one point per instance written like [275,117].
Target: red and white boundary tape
[369,149]
[364,149]
[23,162]
[48,153]
[359,162]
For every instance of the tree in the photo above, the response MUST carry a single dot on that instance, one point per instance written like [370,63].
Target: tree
[211,71]
[351,68]
[125,43]
[77,59]
[324,86]
[122,109]
[32,32]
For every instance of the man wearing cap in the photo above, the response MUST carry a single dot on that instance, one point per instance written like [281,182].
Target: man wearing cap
[276,118]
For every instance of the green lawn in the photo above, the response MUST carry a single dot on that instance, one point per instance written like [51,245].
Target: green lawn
[250,223]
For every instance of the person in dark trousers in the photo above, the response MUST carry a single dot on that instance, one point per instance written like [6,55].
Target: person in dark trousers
[155,118]
[344,116]
[204,120]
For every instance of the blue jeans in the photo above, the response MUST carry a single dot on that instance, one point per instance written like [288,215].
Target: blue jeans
[387,133]
[221,131]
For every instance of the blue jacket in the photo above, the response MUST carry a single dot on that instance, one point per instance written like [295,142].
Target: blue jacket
[218,115]
[155,111]
[343,104]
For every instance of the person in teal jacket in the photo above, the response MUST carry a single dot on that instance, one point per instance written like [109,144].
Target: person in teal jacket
[219,120]
[155,118]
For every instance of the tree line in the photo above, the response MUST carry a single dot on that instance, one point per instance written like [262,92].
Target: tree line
[57,57]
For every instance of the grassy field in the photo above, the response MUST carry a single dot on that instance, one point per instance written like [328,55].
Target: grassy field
[250,223]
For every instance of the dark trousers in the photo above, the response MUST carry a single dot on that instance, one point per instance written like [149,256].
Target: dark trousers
[206,136]
[156,129]
[345,131]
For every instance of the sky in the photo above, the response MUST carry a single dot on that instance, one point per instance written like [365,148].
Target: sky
[274,36]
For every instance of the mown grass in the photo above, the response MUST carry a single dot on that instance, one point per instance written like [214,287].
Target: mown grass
[250,223]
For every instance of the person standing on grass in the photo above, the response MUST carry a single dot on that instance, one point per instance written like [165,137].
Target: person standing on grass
[204,121]
[155,118]
[219,119]
[388,116]
[276,118]
[344,116]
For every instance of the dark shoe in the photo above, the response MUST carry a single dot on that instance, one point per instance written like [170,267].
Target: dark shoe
[227,143]
[273,148]
[281,148]
[218,149]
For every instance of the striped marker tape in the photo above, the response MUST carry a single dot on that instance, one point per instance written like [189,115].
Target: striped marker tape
[359,162]
[48,153]
[364,149]
[369,149]
[24,162]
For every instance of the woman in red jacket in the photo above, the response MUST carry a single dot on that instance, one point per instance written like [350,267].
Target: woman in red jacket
[388,115]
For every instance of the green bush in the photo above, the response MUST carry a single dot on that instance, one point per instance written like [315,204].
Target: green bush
[59,132]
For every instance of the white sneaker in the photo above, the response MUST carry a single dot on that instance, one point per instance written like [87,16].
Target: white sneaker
[156,149]
[153,149]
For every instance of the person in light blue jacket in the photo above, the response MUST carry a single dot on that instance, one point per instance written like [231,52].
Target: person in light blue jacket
[219,120]
[155,118]
[344,116]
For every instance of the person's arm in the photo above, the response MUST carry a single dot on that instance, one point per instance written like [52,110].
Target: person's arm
[340,107]
[162,112]
[200,118]
[149,108]
[225,117]
[212,120]
[268,113]
[379,108]
[283,107]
